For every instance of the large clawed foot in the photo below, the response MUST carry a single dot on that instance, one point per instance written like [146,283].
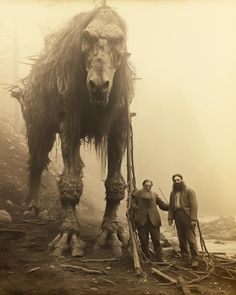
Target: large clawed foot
[35,212]
[112,236]
[67,242]
[77,247]
[68,239]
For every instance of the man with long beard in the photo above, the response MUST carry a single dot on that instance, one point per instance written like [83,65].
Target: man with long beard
[147,218]
[183,209]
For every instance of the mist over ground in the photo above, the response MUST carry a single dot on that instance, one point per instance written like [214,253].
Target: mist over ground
[184,54]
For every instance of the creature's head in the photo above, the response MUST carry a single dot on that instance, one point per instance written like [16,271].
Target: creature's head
[103,47]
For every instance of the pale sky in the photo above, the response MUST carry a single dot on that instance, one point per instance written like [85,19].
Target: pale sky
[185,54]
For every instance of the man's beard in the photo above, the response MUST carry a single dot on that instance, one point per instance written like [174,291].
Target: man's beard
[178,186]
[147,195]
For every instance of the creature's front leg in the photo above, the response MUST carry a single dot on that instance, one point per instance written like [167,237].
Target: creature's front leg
[70,187]
[112,232]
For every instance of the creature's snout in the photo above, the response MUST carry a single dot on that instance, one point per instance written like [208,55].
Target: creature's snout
[99,90]
[98,87]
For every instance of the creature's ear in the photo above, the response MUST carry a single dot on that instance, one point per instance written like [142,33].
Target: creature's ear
[89,34]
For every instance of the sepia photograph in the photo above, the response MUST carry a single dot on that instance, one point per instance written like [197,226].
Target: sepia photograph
[117,147]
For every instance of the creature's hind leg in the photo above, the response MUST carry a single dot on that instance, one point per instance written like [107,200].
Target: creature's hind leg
[40,144]
[112,232]
[70,186]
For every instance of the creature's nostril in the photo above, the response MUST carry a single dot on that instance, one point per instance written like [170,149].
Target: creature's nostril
[97,87]
[105,85]
[92,85]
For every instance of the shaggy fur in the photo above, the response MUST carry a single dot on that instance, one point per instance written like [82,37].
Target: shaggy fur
[80,88]
[57,87]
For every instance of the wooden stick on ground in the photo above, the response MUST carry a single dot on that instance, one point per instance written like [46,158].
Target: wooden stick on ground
[179,281]
[33,270]
[110,282]
[182,285]
[100,260]
[89,271]
[164,276]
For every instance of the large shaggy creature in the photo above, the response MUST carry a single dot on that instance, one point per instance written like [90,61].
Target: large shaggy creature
[80,87]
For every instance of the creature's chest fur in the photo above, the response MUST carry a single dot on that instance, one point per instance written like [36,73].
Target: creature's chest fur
[95,123]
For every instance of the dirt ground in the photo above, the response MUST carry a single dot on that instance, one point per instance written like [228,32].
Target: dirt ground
[28,267]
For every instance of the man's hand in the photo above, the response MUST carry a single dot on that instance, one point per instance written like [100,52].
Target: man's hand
[193,223]
[170,221]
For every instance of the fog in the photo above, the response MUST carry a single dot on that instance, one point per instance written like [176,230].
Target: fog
[184,53]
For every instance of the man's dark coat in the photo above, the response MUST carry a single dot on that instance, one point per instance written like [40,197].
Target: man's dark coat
[144,208]
[188,203]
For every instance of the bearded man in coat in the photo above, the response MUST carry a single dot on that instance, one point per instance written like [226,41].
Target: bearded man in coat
[147,218]
[183,209]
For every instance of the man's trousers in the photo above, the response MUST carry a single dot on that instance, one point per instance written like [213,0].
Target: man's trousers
[143,233]
[186,235]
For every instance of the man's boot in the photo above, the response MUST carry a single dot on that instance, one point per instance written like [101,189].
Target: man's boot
[159,255]
[195,263]
[187,261]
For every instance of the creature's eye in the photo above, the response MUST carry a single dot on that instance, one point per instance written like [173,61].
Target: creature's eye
[117,40]
[118,49]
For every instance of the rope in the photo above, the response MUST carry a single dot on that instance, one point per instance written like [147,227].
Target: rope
[215,263]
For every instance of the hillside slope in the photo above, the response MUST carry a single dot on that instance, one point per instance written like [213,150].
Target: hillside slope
[13,176]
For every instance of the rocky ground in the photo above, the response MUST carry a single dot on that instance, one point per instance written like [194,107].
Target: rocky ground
[27,266]
[221,229]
